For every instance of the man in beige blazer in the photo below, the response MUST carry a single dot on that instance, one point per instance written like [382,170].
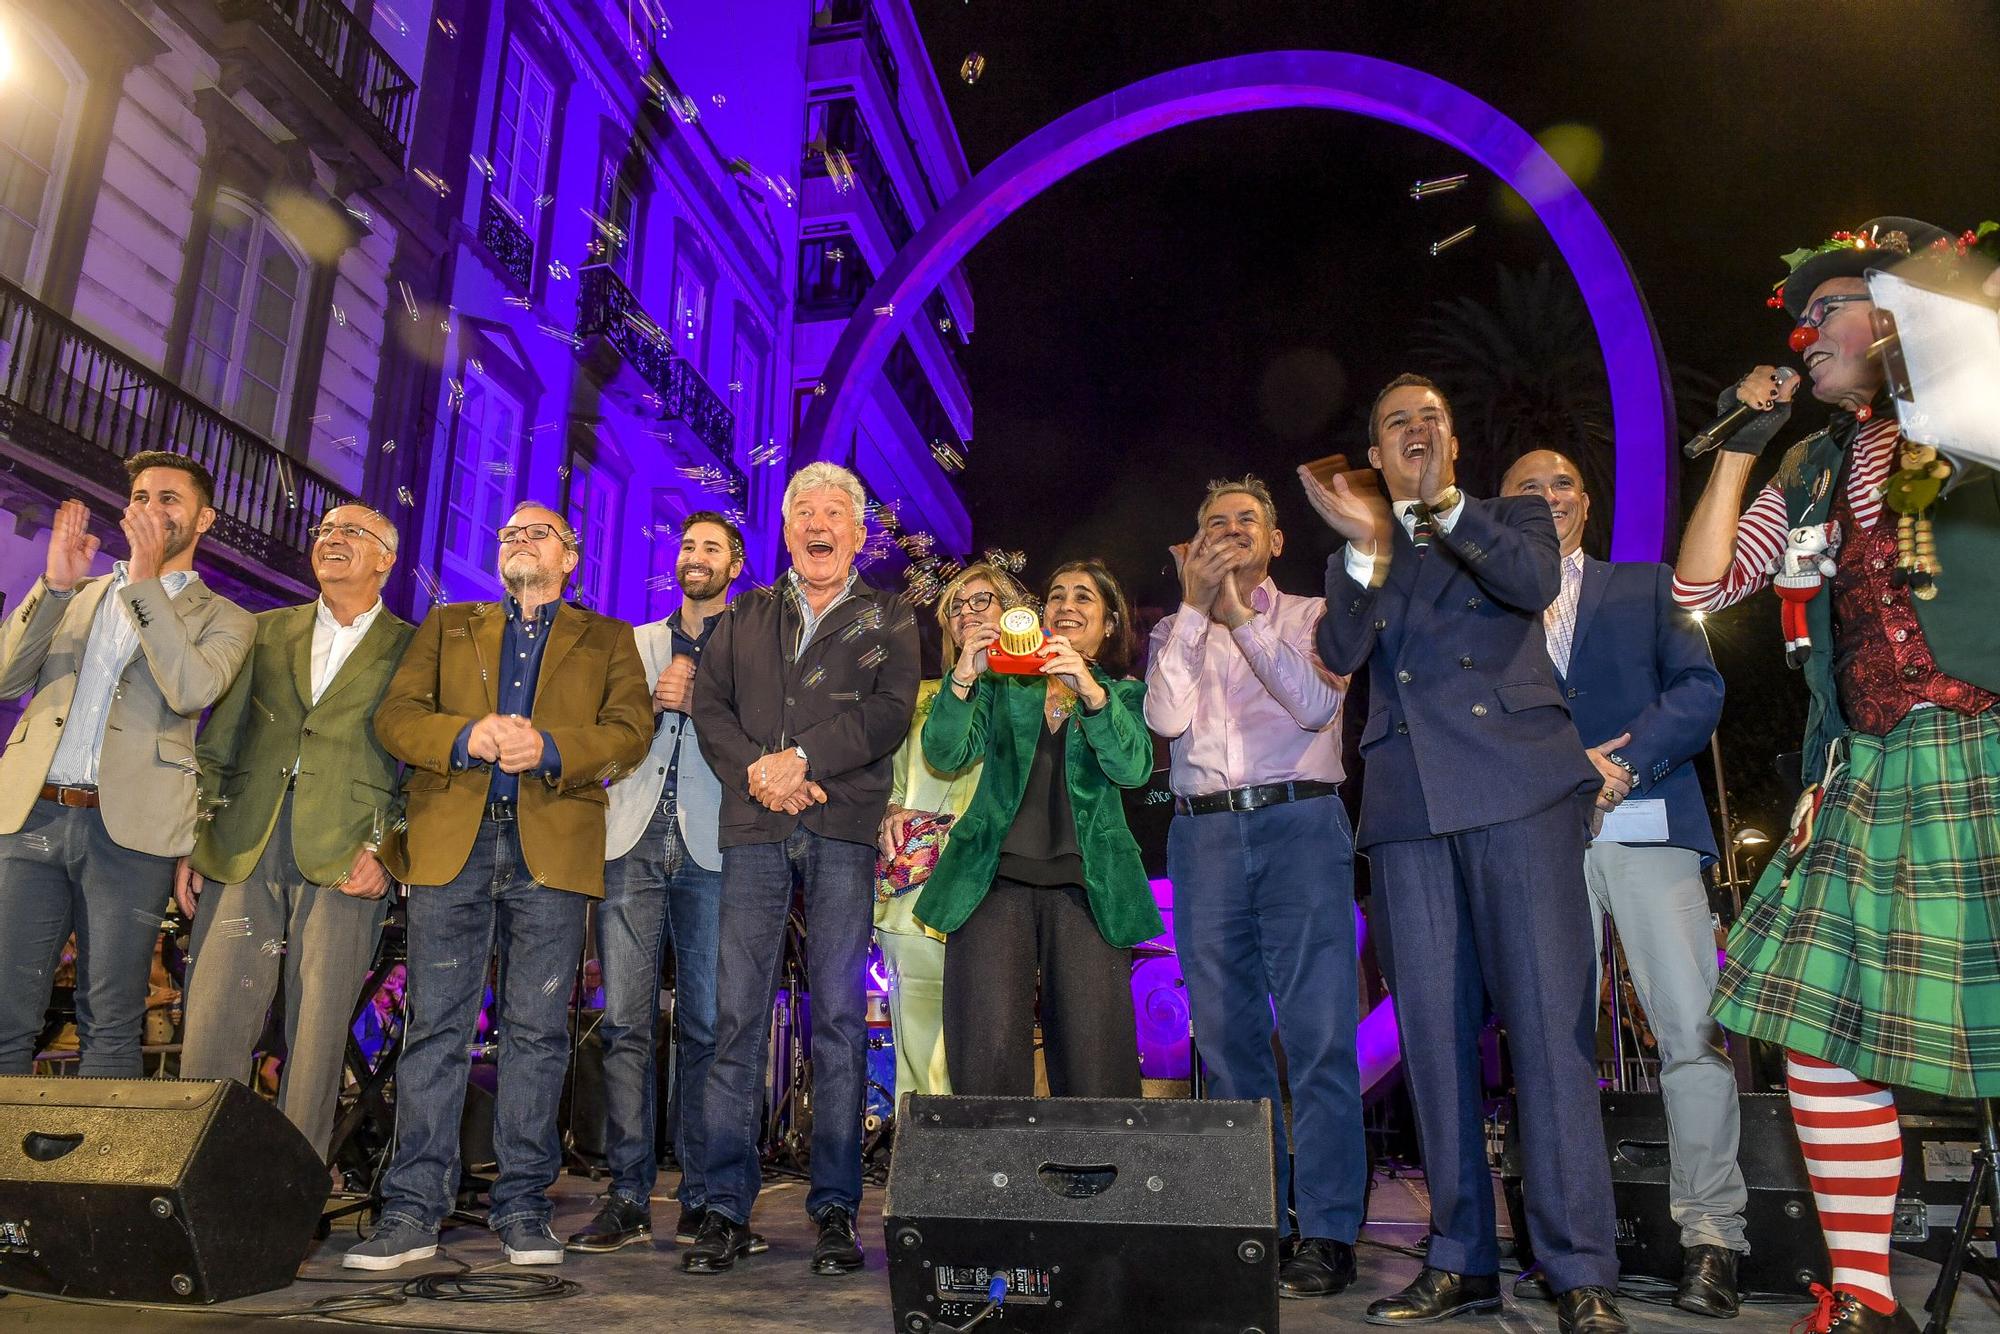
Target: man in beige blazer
[97,784]
[302,798]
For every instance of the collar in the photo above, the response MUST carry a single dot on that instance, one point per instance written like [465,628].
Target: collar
[323,615]
[707,625]
[1264,596]
[544,614]
[1574,561]
[173,581]
[798,586]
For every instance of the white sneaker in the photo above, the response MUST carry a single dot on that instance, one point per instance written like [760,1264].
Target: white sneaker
[393,1245]
[531,1242]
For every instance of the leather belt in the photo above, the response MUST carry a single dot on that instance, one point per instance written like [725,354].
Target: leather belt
[500,810]
[64,795]
[1252,798]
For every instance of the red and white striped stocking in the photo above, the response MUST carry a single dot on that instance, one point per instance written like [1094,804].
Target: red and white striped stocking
[1854,1155]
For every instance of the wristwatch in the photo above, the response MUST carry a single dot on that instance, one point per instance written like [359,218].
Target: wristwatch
[1626,765]
[806,760]
[1444,501]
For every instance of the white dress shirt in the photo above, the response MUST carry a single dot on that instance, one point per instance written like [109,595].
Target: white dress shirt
[1559,621]
[110,648]
[334,642]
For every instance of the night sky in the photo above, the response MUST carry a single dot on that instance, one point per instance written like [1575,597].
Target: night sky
[1226,297]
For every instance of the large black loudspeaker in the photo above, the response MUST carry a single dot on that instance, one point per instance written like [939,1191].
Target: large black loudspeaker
[1103,1213]
[1781,1223]
[151,1190]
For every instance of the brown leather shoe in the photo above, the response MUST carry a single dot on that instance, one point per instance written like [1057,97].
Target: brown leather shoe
[1437,1294]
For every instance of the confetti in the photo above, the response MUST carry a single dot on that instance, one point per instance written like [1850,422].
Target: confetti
[339,315]
[517,302]
[1013,562]
[482,166]
[476,367]
[448,28]
[874,657]
[403,495]
[500,468]
[389,445]
[718,99]
[660,583]
[944,324]
[1439,247]
[948,458]
[1438,185]
[409,299]
[970,68]
[836,254]
[736,386]
[889,309]
[434,593]
[563,472]
[543,201]
[765,454]
[436,182]
[558,270]
[561,335]
[819,390]
[816,677]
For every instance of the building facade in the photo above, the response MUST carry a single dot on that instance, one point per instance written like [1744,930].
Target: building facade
[446,255]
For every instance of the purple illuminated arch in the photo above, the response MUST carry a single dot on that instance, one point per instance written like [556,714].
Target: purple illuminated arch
[1641,405]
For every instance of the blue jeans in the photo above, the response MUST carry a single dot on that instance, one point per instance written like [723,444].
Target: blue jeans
[839,882]
[62,873]
[655,891]
[1263,910]
[453,929]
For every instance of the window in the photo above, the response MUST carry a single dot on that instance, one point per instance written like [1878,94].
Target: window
[663,556]
[248,305]
[521,138]
[37,114]
[690,310]
[748,395]
[621,210]
[479,485]
[590,513]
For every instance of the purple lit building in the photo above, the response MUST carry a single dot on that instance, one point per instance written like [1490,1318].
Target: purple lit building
[444,255]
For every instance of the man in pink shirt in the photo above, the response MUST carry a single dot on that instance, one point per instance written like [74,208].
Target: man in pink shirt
[1262,862]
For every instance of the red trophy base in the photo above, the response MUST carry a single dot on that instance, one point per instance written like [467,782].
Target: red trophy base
[1017,664]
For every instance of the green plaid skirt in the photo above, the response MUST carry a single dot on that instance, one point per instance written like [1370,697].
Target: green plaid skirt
[1878,947]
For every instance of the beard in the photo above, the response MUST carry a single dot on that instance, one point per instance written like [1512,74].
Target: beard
[700,583]
[527,576]
[174,541]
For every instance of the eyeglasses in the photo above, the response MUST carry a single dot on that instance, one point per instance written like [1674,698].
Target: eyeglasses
[957,607]
[1822,307]
[353,532]
[527,532]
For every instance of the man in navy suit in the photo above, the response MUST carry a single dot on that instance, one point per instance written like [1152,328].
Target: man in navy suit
[1475,808]
[1646,697]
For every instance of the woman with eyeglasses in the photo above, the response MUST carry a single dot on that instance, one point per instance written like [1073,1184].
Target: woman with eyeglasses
[1041,889]
[923,804]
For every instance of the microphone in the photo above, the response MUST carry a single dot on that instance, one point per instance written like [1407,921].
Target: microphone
[1729,423]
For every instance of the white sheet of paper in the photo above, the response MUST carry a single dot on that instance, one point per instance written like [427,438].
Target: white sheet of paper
[1635,822]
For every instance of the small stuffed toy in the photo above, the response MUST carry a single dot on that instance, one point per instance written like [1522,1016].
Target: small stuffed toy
[1799,573]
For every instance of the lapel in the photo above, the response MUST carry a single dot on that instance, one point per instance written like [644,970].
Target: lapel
[569,626]
[1596,578]
[488,623]
[373,646]
[837,620]
[84,608]
[302,653]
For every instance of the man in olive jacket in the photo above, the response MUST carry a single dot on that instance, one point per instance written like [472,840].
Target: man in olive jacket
[805,691]
[300,797]
[512,716]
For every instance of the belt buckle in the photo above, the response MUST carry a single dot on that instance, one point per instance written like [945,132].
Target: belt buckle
[1242,798]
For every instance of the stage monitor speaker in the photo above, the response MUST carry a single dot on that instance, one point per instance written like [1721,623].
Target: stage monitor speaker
[1787,1252]
[1103,1213]
[154,1190]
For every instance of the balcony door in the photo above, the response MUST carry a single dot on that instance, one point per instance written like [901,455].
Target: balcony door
[38,111]
[248,311]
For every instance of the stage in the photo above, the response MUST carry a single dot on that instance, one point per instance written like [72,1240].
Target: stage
[644,1290]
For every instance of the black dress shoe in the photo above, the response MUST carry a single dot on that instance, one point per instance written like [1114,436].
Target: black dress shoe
[1437,1294]
[688,1226]
[1844,1313]
[619,1222]
[1317,1267]
[838,1250]
[1589,1311]
[1533,1286]
[716,1246]
[1708,1281]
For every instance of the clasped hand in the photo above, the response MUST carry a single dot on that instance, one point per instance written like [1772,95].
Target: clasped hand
[778,782]
[508,740]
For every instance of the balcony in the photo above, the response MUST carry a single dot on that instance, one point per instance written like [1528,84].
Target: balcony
[79,403]
[507,241]
[607,309]
[839,20]
[348,64]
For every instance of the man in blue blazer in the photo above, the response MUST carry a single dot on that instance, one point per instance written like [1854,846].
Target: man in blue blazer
[1476,805]
[1646,697]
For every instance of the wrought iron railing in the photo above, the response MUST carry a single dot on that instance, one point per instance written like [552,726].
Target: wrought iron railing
[606,308]
[76,400]
[507,240]
[323,36]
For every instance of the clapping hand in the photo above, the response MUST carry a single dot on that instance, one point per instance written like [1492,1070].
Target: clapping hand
[146,532]
[71,547]
[1361,519]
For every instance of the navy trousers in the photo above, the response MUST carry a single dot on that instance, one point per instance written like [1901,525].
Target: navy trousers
[1503,912]
[1263,913]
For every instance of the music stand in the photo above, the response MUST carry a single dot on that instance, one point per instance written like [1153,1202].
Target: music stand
[1984,1187]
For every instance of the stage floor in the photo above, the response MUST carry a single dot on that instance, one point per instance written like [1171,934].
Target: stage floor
[644,1290]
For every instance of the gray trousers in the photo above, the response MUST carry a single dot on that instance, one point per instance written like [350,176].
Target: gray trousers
[277,924]
[1656,899]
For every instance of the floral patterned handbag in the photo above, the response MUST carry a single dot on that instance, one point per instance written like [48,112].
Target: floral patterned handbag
[916,855]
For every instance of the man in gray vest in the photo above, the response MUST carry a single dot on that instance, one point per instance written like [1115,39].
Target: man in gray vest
[664,880]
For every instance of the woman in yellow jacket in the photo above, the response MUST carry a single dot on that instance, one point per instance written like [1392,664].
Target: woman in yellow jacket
[920,793]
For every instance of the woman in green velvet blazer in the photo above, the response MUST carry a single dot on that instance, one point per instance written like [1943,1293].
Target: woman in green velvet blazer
[1041,890]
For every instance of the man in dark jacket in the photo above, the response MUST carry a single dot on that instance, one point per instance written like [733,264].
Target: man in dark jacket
[1475,809]
[805,692]
[1645,694]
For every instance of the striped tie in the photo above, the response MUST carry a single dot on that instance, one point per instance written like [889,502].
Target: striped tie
[1422,529]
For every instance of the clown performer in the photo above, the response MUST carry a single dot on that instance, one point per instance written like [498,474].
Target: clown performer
[1870,949]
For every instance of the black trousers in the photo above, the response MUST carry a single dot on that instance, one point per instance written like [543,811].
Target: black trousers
[1017,934]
